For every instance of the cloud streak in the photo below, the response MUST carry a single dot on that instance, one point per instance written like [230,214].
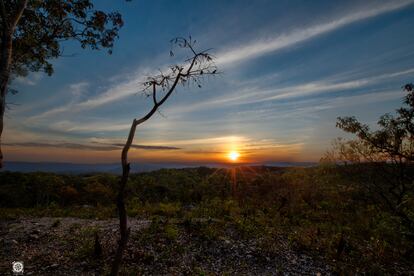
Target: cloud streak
[257,94]
[146,147]
[251,50]
[264,46]
[97,147]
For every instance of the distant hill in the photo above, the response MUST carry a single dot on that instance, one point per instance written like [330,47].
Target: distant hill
[115,168]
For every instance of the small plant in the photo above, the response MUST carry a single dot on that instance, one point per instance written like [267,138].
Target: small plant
[56,223]
[86,243]
[171,231]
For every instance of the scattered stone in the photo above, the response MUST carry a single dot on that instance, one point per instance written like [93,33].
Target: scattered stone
[34,236]
[64,250]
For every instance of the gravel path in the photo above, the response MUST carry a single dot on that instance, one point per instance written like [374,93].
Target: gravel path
[64,246]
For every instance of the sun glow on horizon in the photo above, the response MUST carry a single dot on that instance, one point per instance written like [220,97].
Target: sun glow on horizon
[234,155]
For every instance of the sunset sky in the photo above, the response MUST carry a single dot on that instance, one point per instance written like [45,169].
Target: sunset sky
[289,69]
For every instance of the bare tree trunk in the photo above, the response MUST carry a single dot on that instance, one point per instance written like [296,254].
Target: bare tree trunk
[4,79]
[2,108]
[120,202]
[9,23]
[120,199]
[162,81]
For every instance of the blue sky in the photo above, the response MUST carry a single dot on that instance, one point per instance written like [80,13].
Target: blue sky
[289,69]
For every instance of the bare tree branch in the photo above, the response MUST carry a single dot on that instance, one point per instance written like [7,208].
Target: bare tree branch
[20,9]
[154,94]
[194,68]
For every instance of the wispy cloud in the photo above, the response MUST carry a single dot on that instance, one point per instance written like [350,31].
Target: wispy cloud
[87,127]
[30,80]
[308,108]
[323,86]
[257,94]
[76,90]
[264,46]
[249,95]
[210,141]
[63,145]
[131,85]
[125,87]
[147,147]
[96,147]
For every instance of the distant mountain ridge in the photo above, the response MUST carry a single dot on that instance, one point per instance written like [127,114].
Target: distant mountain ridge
[136,167]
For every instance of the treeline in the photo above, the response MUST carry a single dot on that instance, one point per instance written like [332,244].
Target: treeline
[187,186]
[40,189]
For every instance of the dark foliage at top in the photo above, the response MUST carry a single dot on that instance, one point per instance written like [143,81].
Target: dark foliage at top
[44,25]
[32,32]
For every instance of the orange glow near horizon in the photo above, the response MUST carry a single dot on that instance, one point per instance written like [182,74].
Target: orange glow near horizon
[234,155]
[221,152]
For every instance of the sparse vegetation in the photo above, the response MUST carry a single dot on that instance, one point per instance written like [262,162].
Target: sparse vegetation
[320,211]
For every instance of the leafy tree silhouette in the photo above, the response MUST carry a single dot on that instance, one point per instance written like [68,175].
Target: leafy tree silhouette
[382,160]
[32,32]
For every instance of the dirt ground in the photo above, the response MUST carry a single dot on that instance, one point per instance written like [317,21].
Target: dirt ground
[66,246]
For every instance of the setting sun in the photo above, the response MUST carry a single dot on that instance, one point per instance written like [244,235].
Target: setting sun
[234,155]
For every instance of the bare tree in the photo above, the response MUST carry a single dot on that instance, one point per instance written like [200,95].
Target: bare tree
[159,88]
